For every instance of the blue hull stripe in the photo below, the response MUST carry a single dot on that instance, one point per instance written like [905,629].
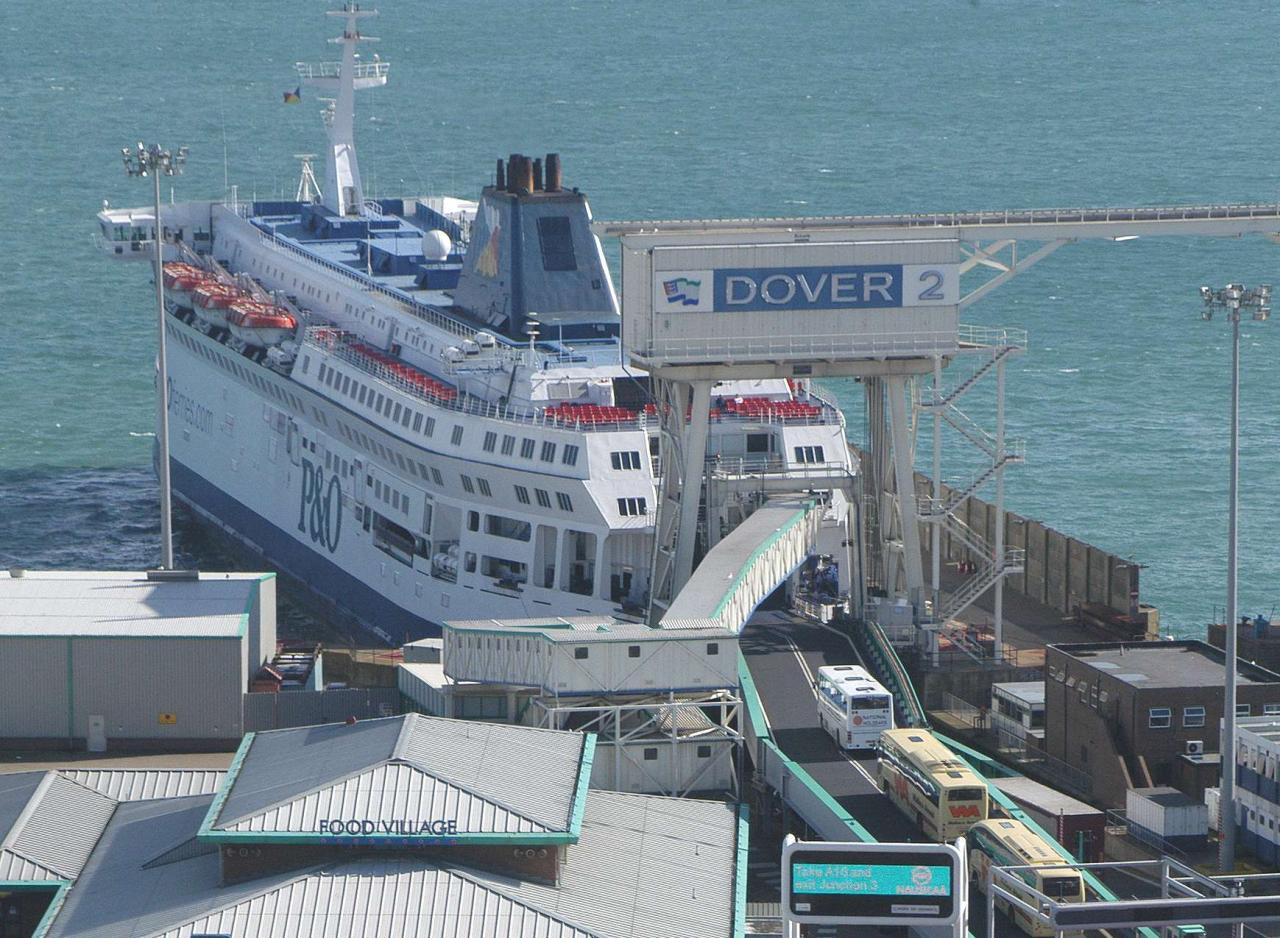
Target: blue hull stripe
[318,573]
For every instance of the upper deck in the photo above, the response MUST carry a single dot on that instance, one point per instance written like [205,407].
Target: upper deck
[384,254]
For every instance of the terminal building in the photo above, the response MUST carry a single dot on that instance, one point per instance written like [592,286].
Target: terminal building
[664,703]
[1142,714]
[1257,791]
[130,660]
[411,826]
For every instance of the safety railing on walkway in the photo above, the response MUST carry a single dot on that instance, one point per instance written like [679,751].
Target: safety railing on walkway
[880,656]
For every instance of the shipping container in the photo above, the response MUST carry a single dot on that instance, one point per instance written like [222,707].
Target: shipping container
[1167,812]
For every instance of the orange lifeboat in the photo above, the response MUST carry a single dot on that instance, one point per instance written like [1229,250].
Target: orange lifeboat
[181,279]
[211,300]
[256,323]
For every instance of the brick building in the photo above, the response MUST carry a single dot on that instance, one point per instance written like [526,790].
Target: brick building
[1137,714]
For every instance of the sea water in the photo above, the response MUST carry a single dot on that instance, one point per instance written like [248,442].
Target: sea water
[690,109]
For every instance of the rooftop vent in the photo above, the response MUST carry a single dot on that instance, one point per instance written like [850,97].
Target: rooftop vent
[173,576]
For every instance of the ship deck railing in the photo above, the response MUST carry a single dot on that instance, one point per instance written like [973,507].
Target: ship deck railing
[423,311]
[342,345]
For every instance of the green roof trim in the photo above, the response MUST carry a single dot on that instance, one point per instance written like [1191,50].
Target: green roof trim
[760,550]
[46,920]
[755,709]
[740,872]
[583,784]
[537,838]
[215,808]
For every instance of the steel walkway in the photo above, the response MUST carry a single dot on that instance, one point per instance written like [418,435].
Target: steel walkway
[746,566]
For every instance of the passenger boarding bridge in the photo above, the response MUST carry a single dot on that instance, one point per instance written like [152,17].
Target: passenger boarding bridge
[980,250]
[752,272]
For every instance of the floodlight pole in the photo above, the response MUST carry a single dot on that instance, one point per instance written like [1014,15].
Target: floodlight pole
[153,161]
[1230,299]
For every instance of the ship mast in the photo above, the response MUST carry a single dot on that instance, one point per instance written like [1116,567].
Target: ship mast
[343,191]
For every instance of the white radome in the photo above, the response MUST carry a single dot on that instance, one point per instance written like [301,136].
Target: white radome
[436,245]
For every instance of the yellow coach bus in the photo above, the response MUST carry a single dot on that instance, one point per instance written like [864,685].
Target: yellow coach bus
[930,785]
[1003,842]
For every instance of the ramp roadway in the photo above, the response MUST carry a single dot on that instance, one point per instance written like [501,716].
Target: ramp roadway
[783,653]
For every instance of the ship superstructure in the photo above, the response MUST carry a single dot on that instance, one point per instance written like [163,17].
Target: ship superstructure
[419,405]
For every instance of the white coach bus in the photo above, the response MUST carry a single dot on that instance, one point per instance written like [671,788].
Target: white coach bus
[852,706]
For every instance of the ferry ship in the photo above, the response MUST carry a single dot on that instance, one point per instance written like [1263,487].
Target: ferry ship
[419,406]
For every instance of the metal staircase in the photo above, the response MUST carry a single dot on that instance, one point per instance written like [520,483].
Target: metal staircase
[938,399]
[985,577]
[931,508]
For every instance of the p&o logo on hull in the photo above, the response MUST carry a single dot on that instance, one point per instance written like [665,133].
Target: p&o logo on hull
[320,511]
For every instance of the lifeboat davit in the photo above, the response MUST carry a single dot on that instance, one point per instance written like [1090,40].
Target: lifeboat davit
[210,302]
[257,323]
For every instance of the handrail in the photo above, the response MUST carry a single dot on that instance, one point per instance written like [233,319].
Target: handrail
[871,640]
[365,282]
[308,70]
[465,403]
[1265,210]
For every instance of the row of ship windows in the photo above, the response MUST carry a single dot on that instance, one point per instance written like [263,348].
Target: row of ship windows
[627,507]
[413,420]
[228,364]
[306,287]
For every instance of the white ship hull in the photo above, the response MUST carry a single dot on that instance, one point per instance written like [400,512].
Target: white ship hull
[237,463]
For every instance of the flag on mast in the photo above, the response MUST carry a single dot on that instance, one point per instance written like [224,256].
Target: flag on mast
[293,97]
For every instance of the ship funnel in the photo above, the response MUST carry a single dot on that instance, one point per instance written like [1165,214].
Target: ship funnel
[537,175]
[500,179]
[520,174]
[553,172]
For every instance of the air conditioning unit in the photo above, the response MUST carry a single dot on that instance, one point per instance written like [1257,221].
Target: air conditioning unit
[1195,747]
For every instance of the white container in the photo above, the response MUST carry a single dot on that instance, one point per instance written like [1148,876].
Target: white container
[1167,812]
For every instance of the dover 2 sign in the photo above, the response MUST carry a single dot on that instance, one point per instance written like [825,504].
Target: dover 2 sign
[873,884]
[746,289]
[834,301]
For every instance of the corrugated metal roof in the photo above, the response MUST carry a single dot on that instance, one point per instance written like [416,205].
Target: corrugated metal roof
[119,896]
[391,792]
[493,778]
[645,867]
[16,790]
[60,825]
[124,604]
[530,772]
[586,631]
[19,869]
[407,899]
[143,784]
[281,765]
